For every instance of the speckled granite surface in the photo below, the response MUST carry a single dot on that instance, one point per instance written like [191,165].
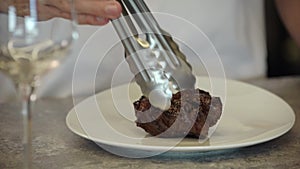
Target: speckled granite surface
[57,147]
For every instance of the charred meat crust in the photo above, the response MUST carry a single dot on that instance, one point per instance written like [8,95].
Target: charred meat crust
[191,114]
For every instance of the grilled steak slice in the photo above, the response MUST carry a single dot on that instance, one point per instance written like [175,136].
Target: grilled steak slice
[191,114]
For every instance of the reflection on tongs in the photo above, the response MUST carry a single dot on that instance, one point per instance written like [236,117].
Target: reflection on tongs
[160,68]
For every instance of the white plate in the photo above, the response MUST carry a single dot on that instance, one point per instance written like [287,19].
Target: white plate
[251,116]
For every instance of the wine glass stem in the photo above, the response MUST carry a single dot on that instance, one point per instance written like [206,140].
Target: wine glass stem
[27,97]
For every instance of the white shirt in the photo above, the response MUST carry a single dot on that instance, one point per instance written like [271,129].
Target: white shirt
[235,28]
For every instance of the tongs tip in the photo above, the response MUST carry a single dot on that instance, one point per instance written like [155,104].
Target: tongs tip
[160,99]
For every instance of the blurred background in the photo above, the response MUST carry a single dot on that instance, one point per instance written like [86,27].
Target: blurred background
[283,53]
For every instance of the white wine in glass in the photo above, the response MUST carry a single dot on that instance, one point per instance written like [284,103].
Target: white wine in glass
[29,48]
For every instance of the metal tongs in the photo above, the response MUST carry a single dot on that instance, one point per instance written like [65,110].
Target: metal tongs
[160,68]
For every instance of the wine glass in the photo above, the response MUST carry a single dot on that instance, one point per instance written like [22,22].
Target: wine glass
[30,47]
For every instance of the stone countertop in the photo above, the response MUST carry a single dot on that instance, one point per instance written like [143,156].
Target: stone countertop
[55,146]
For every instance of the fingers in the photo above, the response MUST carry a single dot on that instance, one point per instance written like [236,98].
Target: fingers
[48,12]
[103,8]
[95,12]
[91,20]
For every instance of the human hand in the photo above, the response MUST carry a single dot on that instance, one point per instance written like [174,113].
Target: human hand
[94,12]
